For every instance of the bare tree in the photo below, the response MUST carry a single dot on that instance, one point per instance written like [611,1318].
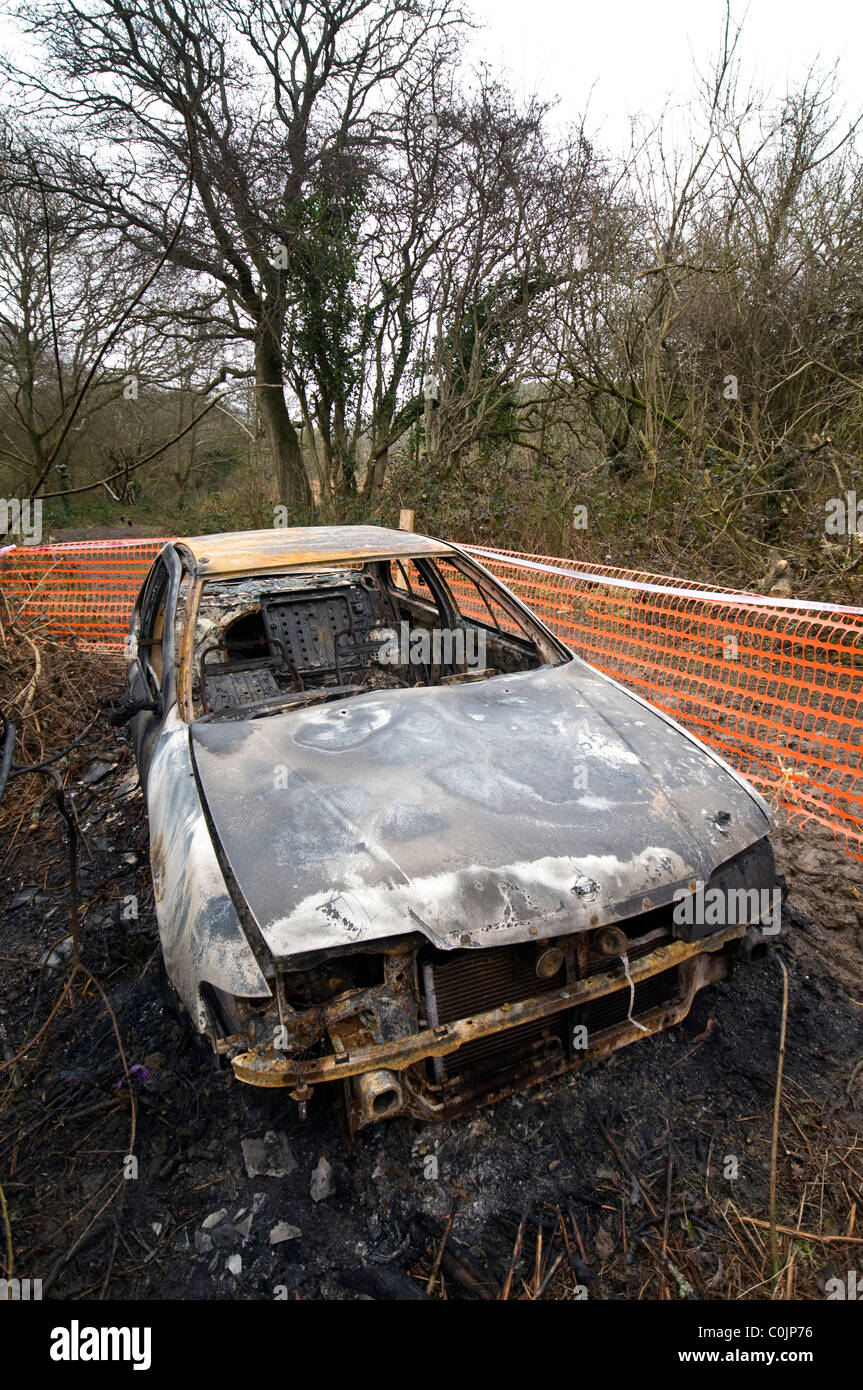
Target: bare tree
[62,293]
[247,102]
[492,283]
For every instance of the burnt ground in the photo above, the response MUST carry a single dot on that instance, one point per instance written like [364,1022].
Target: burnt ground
[617,1180]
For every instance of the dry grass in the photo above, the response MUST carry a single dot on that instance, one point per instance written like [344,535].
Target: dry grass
[50,688]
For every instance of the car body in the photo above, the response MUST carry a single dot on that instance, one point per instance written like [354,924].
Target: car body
[402,839]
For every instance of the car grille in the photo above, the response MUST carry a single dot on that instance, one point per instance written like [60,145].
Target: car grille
[612,1009]
[460,984]
[468,982]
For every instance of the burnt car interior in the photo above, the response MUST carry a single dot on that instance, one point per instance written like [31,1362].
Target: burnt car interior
[274,642]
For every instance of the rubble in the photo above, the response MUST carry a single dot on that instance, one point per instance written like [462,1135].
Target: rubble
[322,1181]
[284,1231]
[95,773]
[269,1157]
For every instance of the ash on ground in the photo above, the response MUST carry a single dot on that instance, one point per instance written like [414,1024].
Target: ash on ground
[645,1176]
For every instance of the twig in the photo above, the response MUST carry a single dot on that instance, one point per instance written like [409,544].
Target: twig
[9,1255]
[106,1281]
[667,1217]
[801,1235]
[439,1256]
[578,1238]
[774,1142]
[567,1246]
[548,1278]
[630,1172]
[514,1261]
[537,1262]
[699,1041]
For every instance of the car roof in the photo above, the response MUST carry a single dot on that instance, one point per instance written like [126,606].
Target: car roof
[247,552]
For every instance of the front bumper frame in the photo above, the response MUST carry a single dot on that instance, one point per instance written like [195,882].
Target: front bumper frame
[707,960]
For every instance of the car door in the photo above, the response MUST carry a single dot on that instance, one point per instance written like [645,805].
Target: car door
[145,672]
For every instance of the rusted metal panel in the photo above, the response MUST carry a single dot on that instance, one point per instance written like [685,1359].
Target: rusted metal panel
[419,1102]
[266,1067]
[249,552]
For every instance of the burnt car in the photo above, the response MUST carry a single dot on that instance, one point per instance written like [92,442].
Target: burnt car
[404,843]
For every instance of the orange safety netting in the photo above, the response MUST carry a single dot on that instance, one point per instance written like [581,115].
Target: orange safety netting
[85,589]
[776,686]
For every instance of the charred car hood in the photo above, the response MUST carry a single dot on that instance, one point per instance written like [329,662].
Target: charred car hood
[515,807]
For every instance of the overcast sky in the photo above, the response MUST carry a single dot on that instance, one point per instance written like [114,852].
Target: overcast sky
[619,58]
[625,57]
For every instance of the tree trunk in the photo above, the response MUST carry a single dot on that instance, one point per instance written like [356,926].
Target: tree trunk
[377,466]
[282,439]
[346,483]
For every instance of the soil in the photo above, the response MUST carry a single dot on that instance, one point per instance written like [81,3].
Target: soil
[645,1176]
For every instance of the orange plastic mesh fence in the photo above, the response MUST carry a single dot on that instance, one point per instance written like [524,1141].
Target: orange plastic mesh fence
[776,686]
[85,589]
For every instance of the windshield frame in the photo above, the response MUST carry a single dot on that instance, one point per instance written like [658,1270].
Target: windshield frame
[550,649]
